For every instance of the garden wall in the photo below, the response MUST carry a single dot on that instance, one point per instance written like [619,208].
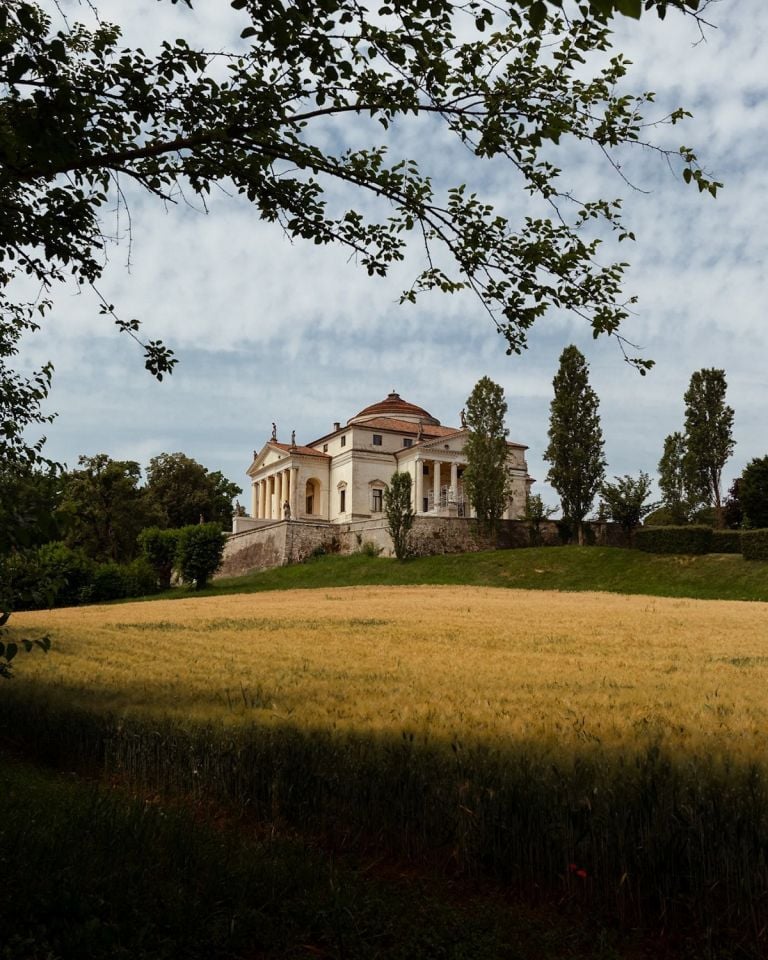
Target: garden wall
[293,541]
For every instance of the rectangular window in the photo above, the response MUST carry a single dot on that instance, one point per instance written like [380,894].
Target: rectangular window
[325,448]
[378,501]
[377,439]
[407,442]
[344,440]
[310,503]
[425,505]
[342,501]
[425,470]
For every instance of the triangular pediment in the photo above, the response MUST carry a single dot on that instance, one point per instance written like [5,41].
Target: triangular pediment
[454,441]
[270,453]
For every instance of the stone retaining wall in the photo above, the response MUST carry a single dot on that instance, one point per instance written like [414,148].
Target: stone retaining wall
[293,541]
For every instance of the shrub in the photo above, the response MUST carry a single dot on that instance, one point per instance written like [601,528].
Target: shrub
[140,578]
[108,583]
[159,548]
[726,541]
[685,540]
[199,552]
[369,549]
[68,570]
[662,517]
[754,544]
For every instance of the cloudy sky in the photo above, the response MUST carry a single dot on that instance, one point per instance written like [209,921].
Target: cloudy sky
[266,329]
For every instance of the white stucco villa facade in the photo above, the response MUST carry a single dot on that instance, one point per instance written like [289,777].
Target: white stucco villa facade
[341,476]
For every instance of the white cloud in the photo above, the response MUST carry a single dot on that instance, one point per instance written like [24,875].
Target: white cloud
[269,330]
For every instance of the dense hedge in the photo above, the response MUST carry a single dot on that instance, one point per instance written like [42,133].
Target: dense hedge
[726,541]
[56,575]
[754,544]
[686,540]
[113,581]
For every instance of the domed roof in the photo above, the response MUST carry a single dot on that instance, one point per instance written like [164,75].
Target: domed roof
[394,406]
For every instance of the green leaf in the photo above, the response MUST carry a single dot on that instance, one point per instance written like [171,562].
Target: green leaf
[630,8]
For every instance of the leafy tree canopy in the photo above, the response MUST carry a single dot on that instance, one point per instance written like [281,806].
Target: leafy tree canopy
[399,513]
[486,477]
[82,119]
[708,434]
[536,512]
[181,491]
[753,493]
[625,500]
[679,486]
[106,507]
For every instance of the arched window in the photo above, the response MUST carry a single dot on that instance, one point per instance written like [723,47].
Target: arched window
[312,496]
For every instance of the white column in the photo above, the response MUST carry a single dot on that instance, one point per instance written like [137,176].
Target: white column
[262,499]
[436,483]
[254,499]
[287,485]
[455,480]
[271,496]
[295,492]
[419,486]
[279,494]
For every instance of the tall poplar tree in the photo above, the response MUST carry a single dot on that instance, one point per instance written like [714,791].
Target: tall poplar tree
[575,449]
[708,434]
[678,487]
[486,477]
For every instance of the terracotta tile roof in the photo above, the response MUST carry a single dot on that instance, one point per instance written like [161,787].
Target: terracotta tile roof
[304,451]
[406,426]
[392,405]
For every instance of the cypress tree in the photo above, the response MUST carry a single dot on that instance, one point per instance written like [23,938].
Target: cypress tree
[575,449]
[486,477]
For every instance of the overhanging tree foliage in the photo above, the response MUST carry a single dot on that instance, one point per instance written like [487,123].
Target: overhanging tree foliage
[486,477]
[83,119]
[575,449]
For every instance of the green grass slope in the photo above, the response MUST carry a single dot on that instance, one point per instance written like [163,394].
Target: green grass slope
[711,577]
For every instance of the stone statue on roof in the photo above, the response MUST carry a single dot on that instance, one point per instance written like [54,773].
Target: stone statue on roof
[463,417]
[274,430]
[293,438]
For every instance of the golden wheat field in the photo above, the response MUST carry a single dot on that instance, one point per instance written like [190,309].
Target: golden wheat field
[472,662]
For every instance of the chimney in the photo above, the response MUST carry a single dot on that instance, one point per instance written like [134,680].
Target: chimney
[336,426]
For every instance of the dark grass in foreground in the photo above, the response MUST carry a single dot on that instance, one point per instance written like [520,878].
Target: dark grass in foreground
[649,841]
[711,577]
[89,873]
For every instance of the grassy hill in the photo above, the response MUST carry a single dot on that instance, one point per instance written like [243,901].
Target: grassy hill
[711,577]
